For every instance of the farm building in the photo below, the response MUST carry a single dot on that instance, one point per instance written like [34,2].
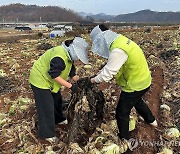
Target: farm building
[59,31]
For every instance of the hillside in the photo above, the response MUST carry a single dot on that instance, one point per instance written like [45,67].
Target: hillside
[32,13]
[149,16]
[102,16]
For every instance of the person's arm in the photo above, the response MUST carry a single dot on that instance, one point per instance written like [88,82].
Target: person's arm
[63,82]
[75,78]
[116,59]
[72,73]
[57,65]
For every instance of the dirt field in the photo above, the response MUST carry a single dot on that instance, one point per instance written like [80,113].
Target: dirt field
[12,36]
[18,133]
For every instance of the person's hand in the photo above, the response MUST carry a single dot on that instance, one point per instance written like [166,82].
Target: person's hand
[92,80]
[75,78]
[74,88]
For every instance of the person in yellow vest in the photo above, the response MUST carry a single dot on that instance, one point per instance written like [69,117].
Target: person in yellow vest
[127,63]
[47,75]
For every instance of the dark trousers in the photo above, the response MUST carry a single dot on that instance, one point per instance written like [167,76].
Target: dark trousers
[49,111]
[126,102]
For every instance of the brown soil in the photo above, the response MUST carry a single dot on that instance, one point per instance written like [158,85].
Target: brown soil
[145,132]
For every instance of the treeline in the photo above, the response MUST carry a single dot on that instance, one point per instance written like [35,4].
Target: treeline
[33,13]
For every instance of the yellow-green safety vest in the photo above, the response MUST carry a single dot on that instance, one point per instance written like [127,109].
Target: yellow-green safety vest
[39,76]
[134,75]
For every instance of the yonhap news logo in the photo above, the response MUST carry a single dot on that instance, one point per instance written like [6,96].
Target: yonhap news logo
[134,143]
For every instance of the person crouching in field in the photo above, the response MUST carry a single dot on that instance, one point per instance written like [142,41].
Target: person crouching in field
[47,75]
[127,63]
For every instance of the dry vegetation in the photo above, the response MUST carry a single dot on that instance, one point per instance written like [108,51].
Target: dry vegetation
[18,114]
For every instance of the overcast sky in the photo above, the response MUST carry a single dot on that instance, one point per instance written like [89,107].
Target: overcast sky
[110,7]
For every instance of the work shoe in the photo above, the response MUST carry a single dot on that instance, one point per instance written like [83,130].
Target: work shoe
[52,140]
[65,122]
[154,124]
